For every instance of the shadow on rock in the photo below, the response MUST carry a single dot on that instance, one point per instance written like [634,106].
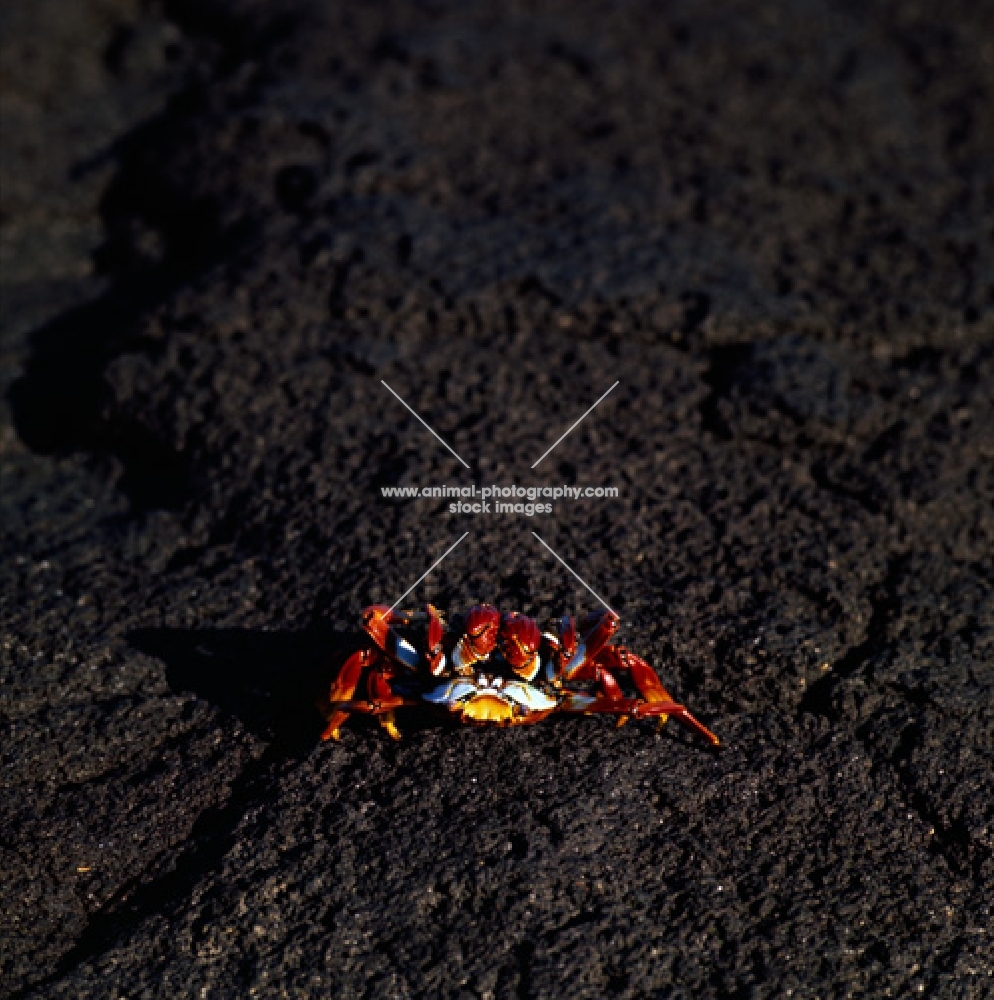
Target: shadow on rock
[62,402]
[273,682]
[160,234]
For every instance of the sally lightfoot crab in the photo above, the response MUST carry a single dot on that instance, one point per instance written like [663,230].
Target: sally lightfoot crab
[494,669]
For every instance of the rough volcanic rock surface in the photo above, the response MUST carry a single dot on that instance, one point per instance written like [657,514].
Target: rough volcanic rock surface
[772,224]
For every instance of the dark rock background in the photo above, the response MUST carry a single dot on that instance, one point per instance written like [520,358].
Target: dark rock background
[224,224]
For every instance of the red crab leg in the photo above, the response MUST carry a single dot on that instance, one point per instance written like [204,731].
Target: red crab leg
[378,621]
[661,708]
[567,641]
[383,710]
[436,633]
[374,707]
[343,687]
[643,676]
[639,709]
[610,688]
[380,693]
[597,628]
[645,679]
[612,691]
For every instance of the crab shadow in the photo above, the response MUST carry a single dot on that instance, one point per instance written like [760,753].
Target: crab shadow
[272,682]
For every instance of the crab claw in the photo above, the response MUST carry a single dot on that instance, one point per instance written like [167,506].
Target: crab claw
[482,625]
[478,638]
[520,638]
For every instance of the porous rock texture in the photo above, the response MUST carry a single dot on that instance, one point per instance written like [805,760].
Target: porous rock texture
[225,224]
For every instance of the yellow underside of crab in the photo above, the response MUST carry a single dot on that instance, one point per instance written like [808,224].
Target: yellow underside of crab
[488,708]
